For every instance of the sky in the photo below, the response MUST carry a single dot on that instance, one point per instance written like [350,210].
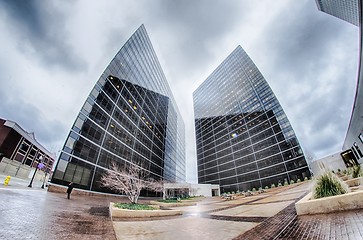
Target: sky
[53,52]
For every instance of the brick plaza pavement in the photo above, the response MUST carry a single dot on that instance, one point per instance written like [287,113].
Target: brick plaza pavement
[37,214]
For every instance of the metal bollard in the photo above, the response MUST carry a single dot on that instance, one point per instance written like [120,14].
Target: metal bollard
[7,179]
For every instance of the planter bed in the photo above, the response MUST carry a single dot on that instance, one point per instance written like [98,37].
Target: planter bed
[125,213]
[347,201]
[174,204]
[353,182]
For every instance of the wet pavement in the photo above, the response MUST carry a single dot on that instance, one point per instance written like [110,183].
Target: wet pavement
[216,218]
[34,213]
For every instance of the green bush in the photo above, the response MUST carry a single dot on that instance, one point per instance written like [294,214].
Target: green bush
[253,189]
[292,182]
[306,178]
[233,192]
[133,206]
[279,185]
[298,180]
[356,172]
[266,187]
[327,185]
[273,185]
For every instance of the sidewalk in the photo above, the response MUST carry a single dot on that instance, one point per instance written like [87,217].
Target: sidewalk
[218,219]
[34,213]
[16,182]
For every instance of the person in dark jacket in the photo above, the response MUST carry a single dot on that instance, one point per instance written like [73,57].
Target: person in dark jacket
[69,190]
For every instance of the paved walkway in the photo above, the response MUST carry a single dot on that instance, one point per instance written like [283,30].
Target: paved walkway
[34,213]
[215,218]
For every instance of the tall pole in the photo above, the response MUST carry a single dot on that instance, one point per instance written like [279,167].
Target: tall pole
[39,161]
[46,171]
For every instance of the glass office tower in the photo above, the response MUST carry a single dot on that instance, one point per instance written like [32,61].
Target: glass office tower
[244,139]
[130,117]
[346,10]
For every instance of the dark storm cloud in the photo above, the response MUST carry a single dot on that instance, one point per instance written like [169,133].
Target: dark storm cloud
[38,26]
[195,27]
[31,119]
[302,46]
[302,53]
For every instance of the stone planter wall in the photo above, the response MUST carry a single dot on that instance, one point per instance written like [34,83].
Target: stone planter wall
[353,182]
[125,213]
[342,202]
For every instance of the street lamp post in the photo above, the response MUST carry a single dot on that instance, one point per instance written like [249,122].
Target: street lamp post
[46,171]
[31,181]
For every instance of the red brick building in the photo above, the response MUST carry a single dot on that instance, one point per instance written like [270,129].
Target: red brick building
[20,146]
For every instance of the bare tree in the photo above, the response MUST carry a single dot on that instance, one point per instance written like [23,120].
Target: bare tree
[157,186]
[129,181]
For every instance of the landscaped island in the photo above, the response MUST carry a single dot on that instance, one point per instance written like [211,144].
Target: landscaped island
[334,192]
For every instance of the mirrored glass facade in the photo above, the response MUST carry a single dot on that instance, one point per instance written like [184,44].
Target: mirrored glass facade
[130,117]
[244,139]
[346,10]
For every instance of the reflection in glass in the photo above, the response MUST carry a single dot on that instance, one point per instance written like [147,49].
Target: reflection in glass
[130,117]
[244,139]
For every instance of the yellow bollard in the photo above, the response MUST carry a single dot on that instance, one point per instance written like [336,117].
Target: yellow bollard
[7,179]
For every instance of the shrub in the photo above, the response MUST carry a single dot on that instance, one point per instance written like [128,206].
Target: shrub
[327,185]
[253,189]
[279,185]
[286,183]
[266,187]
[345,171]
[350,171]
[356,172]
[305,178]
[233,192]
[273,185]
[133,206]
[298,180]
[292,182]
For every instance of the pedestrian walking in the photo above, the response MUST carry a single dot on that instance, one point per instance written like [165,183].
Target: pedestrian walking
[69,190]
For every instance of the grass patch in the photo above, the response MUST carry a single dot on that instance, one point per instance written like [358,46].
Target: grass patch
[131,206]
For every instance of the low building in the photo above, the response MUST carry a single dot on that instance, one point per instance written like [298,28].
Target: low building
[180,189]
[20,152]
[329,163]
